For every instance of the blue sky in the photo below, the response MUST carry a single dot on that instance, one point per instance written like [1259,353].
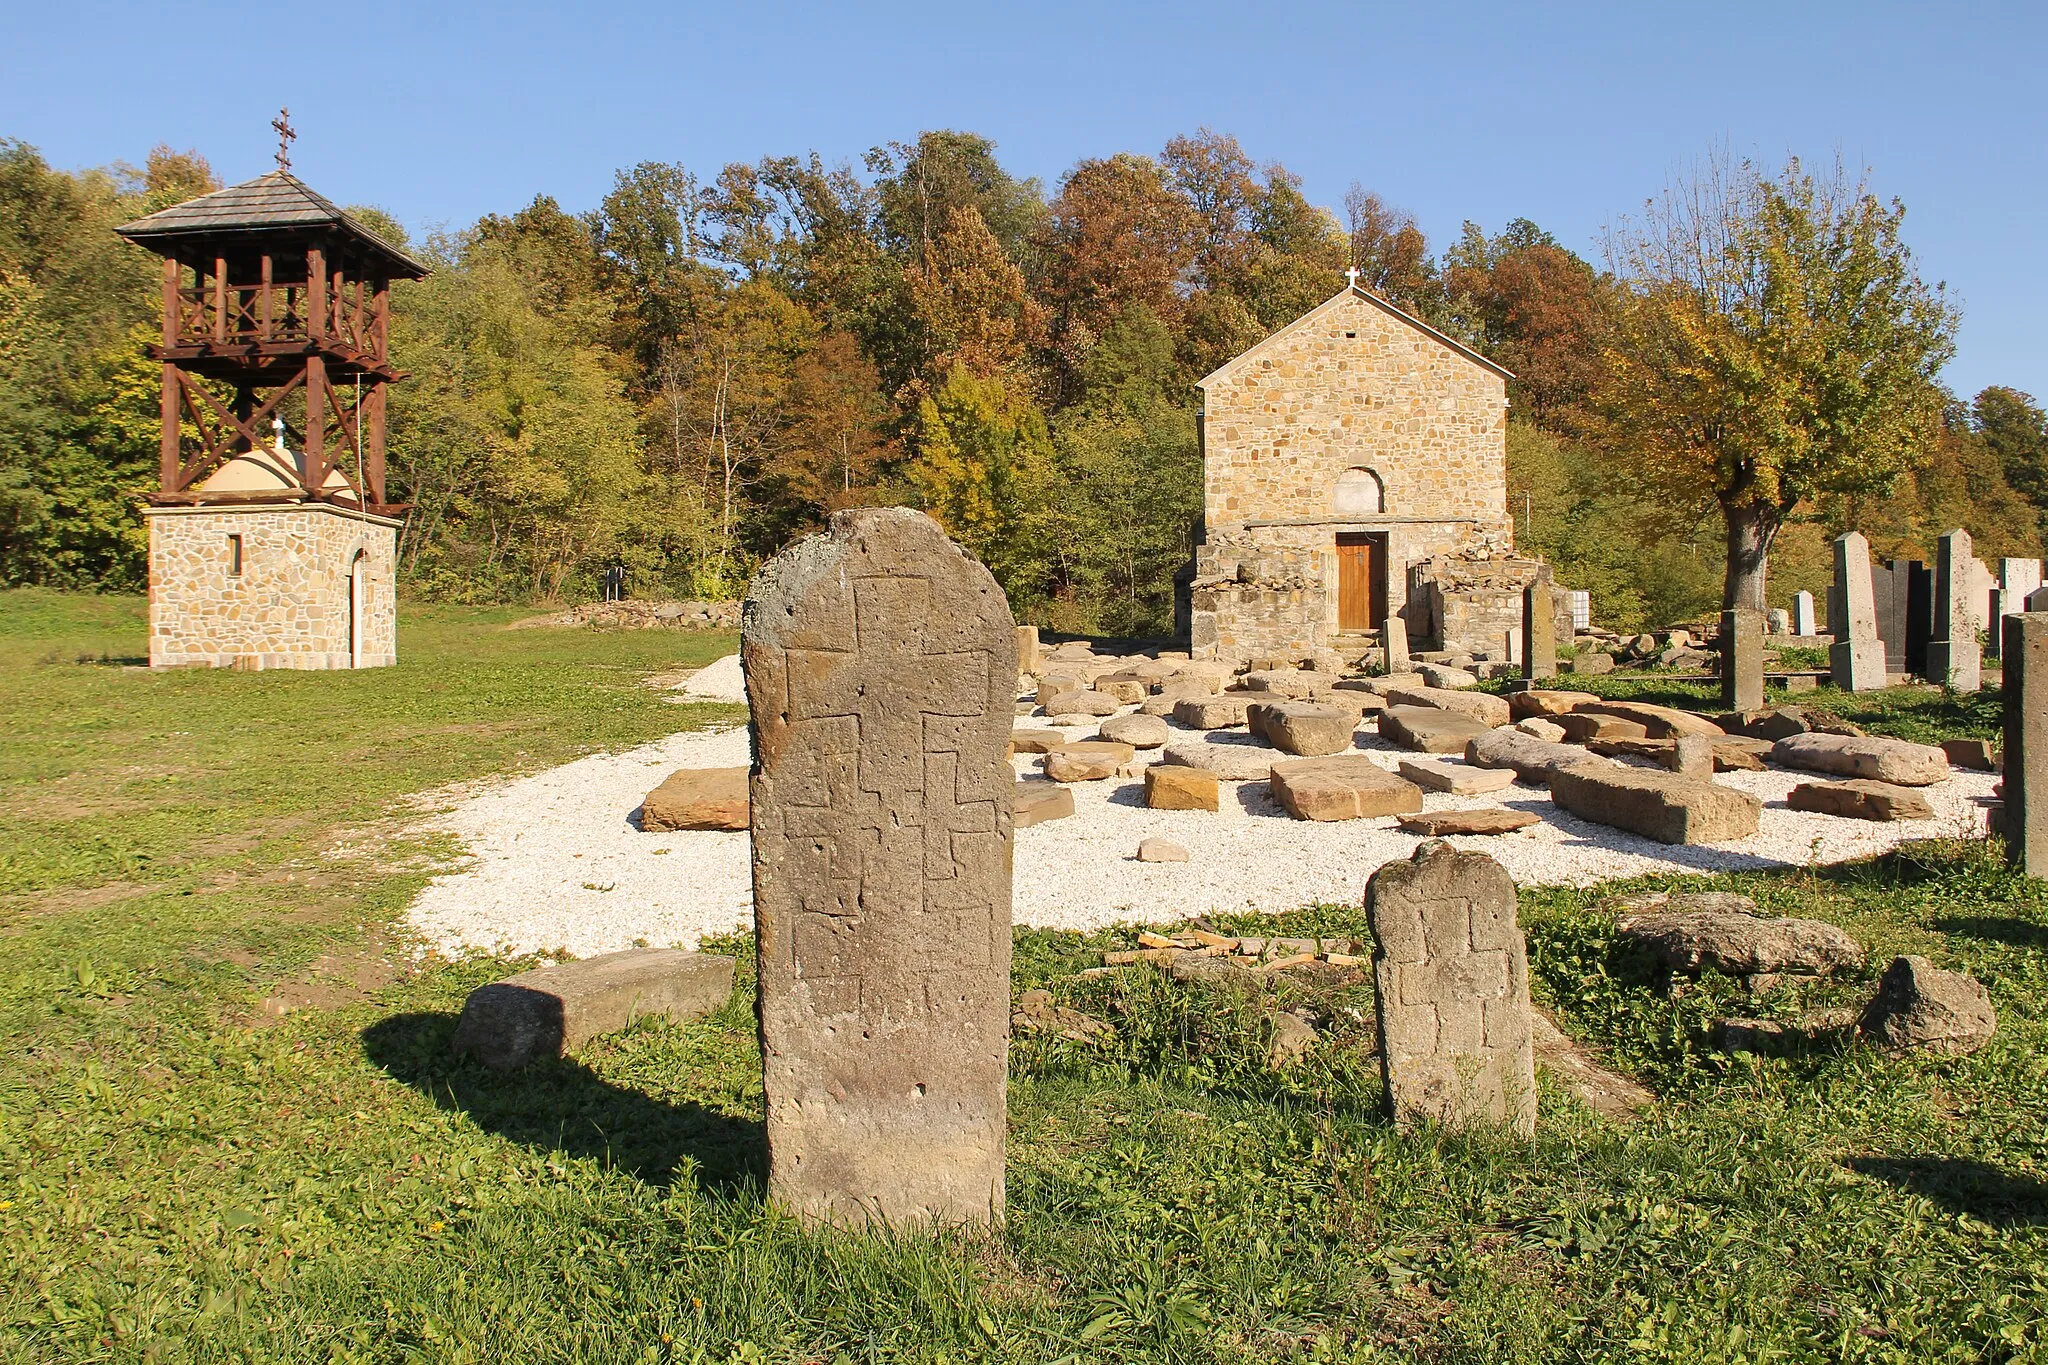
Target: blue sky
[1567,114]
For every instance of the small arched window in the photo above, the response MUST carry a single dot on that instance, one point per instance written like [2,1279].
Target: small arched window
[1360,493]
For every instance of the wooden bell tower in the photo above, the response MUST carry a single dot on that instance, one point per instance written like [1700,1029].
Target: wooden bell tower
[262,555]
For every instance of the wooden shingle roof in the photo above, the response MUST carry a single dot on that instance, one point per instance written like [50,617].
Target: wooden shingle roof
[277,201]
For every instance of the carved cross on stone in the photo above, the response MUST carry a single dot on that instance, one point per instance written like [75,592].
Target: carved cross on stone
[881,672]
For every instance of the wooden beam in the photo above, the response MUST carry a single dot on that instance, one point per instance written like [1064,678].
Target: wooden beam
[264,326]
[373,448]
[220,298]
[380,322]
[316,422]
[167,456]
[316,294]
[171,286]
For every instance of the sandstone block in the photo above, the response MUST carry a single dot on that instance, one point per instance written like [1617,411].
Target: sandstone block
[1348,788]
[1732,942]
[697,798]
[1036,802]
[1538,701]
[1082,702]
[554,1010]
[1140,732]
[1531,759]
[1485,820]
[1976,754]
[1161,851]
[1860,799]
[1536,727]
[1459,779]
[1036,741]
[1657,805]
[1090,760]
[1430,730]
[1662,722]
[1309,729]
[1582,727]
[1444,675]
[1219,712]
[1896,761]
[1231,759]
[1170,786]
[1488,710]
[1588,663]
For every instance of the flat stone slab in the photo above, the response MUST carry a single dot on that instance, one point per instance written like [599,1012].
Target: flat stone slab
[1486,820]
[1527,757]
[1429,729]
[697,798]
[1348,788]
[1971,753]
[1246,760]
[1483,707]
[1657,805]
[1157,850]
[1459,779]
[1662,722]
[1878,758]
[1219,712]
[1309,729]
[1732,943]
[1081,702]
[1170,786]
[1860,799]
[1037,802]
[1140,732]
[1297,683]
[553,1010]
[1036,741]
[1583,727]
[1090,760]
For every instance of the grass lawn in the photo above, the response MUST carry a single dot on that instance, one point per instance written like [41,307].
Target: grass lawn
[186,1175]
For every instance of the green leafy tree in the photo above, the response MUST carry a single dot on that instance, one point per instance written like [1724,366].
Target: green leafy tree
[983,454]
[1776,345]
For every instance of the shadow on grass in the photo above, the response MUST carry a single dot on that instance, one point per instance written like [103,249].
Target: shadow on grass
[2009,929]
[1963,1186]
[563,1106]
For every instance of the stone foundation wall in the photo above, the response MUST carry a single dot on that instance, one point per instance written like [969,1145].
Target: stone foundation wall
[1472,603]
[288,607]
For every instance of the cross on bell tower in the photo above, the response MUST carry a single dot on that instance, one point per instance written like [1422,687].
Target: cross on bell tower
[285,138]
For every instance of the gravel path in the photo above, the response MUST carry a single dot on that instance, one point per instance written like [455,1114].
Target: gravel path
[557,862]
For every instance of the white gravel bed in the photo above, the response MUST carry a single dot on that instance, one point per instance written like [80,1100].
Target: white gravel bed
[557,862]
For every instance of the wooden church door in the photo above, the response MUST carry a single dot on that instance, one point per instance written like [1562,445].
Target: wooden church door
[1361,586]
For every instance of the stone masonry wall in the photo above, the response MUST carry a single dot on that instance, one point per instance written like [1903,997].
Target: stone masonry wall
[289,605]
[1348,386]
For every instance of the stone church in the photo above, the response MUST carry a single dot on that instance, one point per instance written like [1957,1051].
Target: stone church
[1355,467]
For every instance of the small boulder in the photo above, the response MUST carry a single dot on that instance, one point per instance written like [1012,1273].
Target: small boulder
[1127,691]
[1091,760]
[1140,732]
[1536,727]
[1036,741]
[1860,799]
[1308,728]
[1444,675]
[1690,756]
[1920,1007]
[1732,942]
[1037,1012]
[1293,1038]
[1539,701]
[1170,786]
[1583,727]
[1161,851]
[697,798]
[1880,759]
[1034,803]
[1485,820]
[1219,712]
[1975,754]
[1348,788]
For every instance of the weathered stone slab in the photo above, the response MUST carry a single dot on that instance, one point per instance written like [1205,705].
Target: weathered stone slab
[1975,754]
[1689,756]
[1662,722]
[1733,942]
[1295,683]
[1451,983]
[1953,656]
[1531,759]
[880,661]
[1803,621]
[1447,675]
[553,1010]
[1860,799]
[1170,786]
[2024,821]
[1036,741]
[1922,1008]
[1029,659]
[1857,658]
[1583,727]
[1219,712]
[1082,701]
[1459,779]
[697,798]
[1485,820]
[1308,728]
[1545,702]
[1742,660]
[1033,803]
[1483,707]
[1536,727]
[1091,760]
[1350,788]
[1394,641]
[1588,663]
[1657,805]
[1229,757]
[1539,631]
[1873,756]
[1430,730]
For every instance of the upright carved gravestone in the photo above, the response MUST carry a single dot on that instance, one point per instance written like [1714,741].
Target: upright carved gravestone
[1394,638]
[1539,631]
[1451,981]
[2026,740]
[1856,660]
[1953,658]
[1890,585]
[881,667]
[1742,660]
[1802,614]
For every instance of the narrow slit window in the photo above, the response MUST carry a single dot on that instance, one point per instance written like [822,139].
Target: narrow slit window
[234,556]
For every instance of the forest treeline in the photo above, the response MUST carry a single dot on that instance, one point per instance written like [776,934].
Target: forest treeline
[683,378]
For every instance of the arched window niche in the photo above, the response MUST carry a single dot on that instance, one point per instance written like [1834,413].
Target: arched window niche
[1359,493]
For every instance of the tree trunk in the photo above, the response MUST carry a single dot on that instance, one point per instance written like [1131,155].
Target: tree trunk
[1751,531]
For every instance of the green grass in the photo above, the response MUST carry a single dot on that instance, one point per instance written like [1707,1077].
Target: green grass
[181,1182]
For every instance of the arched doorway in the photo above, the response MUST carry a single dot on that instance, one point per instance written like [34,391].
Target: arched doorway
[1359,492]
[358,607]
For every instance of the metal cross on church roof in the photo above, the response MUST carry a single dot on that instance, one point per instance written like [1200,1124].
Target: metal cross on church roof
[1351,277]
[285,135]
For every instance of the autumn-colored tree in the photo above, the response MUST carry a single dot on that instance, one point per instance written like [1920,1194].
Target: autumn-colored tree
[971,300]
[1535,308]
[1390,252]
[1776,345]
